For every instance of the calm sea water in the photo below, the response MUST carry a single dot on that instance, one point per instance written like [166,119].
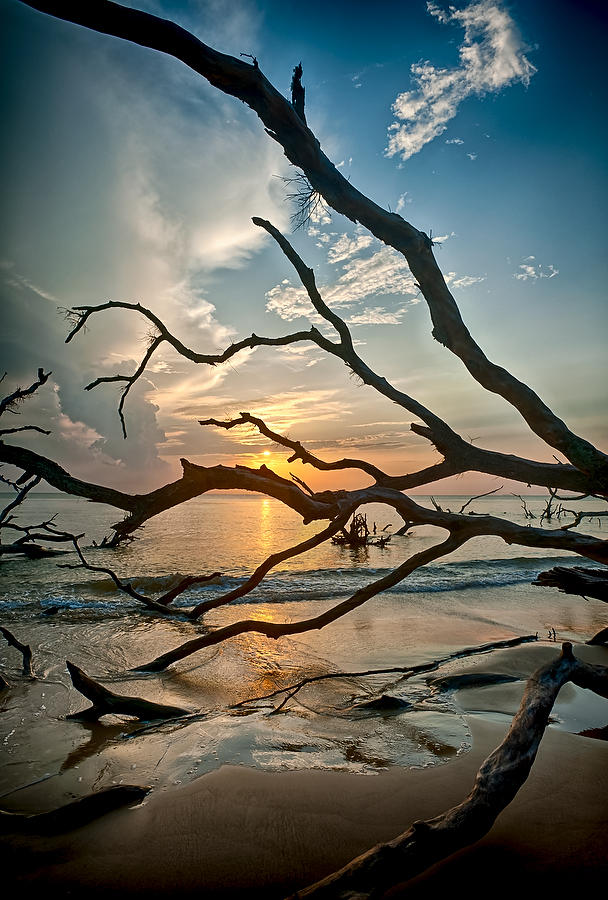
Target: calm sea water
[480,593]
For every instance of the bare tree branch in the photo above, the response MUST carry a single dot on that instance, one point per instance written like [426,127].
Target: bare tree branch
[161,604]
[80,315]
[280,629]
[24,649]
[478,497]
[14,400]
[106,702]
[498,781]
[35,480]
[299,452]
[285,125]
[405,672]
[24,428]
[269,563]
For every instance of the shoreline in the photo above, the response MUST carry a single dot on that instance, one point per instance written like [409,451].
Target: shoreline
[237,830]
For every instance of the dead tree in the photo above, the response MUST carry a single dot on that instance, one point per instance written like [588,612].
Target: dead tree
[584,473]
[26,538]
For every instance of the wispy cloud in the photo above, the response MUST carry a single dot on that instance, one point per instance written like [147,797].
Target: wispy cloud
[463,281]
[530,270]
[403,200]
[380,273]
[345,247]
[20,281]
[378,315]
[491,58]
[454,141]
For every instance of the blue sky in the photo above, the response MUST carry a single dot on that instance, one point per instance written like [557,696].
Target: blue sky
[126,176]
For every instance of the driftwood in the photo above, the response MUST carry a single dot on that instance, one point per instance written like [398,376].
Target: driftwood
[106,702]
[77,813]
[576,580]
[498,781]
[24,649]
[405,672]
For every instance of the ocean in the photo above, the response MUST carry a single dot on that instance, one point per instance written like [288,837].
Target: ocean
[480,594]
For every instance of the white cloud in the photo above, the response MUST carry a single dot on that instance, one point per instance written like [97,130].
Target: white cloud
[403,200]
[528,272]
[472,156]
[345,247]
[454,141]
[377,315]
[383,272]
[491,58]
[463,281]
[19,281]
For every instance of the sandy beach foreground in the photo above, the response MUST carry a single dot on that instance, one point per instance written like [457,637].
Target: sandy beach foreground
[238,830]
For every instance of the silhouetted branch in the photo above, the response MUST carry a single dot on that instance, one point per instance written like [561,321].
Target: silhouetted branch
[276,630]
[35,480]
[498,781]
[269,563]
[299,451]
[161,604]
[580,515]
[284,125]
[12,402]
[80,315]
[24,649]
[478,497]
[576,580]
[24,428]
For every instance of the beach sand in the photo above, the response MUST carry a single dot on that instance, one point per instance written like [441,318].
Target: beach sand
[237,830]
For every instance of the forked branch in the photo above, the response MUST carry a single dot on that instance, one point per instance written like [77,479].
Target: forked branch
[285,125]
[161,604]
[276,630]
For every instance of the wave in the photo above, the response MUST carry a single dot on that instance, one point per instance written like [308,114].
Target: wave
[291,586]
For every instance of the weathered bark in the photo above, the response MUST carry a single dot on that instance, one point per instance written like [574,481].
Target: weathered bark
[75,814]
[106,702]
[498,781]
[283,124]
[24,649]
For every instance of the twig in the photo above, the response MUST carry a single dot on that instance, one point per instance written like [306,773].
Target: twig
[406,671]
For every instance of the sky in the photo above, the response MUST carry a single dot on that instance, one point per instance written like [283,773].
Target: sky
[125,176]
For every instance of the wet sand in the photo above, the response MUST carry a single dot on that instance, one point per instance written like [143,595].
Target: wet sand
[237,830]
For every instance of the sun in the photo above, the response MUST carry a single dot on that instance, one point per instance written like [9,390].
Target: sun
[266,453]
